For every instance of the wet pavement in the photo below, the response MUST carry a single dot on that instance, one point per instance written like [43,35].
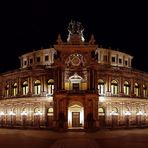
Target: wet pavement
[133,138]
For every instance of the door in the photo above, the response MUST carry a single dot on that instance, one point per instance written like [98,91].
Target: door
[76,87]
[75,119]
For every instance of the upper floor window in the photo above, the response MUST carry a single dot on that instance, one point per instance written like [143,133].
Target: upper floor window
[15,90]
[120,61]
[144,91]
[126,88]
[101,88]
[50,86]
[136,89]
[105,58]
[25,62]
[46,58]
[25,88]
[7,90]
[126,62]
[31,61]
[113,59]
[38,59]
[37,87]
[114,87]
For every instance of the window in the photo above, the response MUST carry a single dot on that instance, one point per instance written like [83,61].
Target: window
[46,58]
[7,91]
[50,86]
[126,62]
[126,88]
[105,58]
[113,59]
[120,60]
[101,87]
[38,59]
[25,62]
[114,87]
[136,90]
[37,87]
[25,88]
[144,91]
[15,89]
[31,61]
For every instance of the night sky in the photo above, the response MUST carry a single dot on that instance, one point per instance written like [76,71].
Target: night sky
[27,26]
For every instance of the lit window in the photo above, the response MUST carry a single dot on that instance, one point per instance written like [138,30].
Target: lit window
[136,90]
[126,88]
[15,89]
[37,87]
[144,91]
[50,86]
[101,87]
[25,88]
[7,91]
[114,87]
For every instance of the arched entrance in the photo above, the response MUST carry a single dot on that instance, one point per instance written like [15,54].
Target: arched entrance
[75,115]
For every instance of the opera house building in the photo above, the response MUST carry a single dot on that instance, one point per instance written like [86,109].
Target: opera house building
[75,84]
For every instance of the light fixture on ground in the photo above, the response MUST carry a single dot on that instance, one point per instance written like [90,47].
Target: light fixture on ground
[1,117]
[24,115]
[11,114]
[37,117]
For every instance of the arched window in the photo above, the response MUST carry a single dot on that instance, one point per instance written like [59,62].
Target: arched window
[7,90]
[126,88]
[114,87]
[136,89]
[37,87]
[101,111]
[50,87]
[101,88]
[25,88]
[15,91]
[144,91]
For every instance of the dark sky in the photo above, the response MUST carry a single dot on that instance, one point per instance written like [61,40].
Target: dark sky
[36,24]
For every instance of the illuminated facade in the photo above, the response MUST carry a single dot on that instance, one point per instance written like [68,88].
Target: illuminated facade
[75,84]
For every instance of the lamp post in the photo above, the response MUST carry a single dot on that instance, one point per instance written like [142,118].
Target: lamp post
[139,115]
[11,114]
[24,115]
[127,115]
[1,116]
[114,118]
[37,115]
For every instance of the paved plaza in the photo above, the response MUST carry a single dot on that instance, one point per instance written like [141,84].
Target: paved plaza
[133,138]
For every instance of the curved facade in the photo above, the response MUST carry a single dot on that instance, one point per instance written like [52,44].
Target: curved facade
[75,84]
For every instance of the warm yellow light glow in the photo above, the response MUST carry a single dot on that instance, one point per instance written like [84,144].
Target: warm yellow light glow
[75,108]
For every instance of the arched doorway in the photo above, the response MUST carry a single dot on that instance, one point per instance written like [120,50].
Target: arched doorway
[75,115]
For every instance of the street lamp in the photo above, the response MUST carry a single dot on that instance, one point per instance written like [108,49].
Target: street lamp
[37,115]
[139,114]
[114,115]
[11,114]
[1,115]
[127,115]
[24,114]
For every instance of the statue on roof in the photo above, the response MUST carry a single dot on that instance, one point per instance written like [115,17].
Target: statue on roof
[75,28]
